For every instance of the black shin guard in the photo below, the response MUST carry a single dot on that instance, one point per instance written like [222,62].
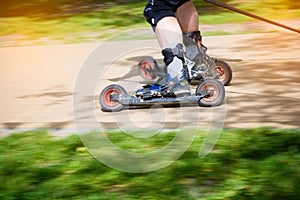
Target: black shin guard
[169,53]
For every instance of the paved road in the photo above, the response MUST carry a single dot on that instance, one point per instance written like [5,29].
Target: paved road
[37,83]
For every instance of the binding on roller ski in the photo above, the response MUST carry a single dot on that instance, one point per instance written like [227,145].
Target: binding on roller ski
[211,67]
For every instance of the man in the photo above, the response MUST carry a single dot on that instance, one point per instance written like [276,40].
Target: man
[175,23]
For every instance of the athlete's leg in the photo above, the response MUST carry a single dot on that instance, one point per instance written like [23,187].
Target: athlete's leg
[168,32]
[188,19]
[187,16]
[169,35]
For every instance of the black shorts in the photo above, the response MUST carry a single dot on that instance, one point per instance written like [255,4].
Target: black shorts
[155,10]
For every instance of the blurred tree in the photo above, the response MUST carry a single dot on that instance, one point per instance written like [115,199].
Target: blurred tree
[57,7]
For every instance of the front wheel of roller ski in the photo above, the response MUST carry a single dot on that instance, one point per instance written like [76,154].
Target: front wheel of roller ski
[148,67]
[221,71]
[215,90]
[107,102]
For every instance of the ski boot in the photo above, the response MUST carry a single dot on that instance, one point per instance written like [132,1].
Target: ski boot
[201,65]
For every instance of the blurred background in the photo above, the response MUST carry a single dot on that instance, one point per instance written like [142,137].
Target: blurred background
[257,163]
[35,22]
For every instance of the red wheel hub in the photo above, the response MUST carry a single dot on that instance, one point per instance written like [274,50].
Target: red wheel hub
[107,99]
[220,72]
[146,66]
[214,92]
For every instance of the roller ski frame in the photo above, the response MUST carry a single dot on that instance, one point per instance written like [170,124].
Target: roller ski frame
[114,97]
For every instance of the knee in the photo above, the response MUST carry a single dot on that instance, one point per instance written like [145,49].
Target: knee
[153,14]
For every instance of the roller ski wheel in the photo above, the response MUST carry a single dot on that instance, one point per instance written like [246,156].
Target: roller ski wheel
[221,71]
[216,93]
[148,67]
[106,102]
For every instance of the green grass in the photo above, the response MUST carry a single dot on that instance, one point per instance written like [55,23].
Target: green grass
[66,21]
[245,164]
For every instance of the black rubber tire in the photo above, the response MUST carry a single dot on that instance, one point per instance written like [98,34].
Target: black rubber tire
[218,93]
[106,104]
[222,72]
[148,67]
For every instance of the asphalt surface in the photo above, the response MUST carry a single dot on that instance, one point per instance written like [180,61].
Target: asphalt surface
[38,84]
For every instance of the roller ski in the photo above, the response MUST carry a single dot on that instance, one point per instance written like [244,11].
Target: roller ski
[199,63]
[171,89]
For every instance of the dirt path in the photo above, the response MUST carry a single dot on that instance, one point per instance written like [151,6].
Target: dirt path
[37,83]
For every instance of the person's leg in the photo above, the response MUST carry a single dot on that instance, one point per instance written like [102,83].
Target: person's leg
[169,36]
[188,19]
[187,16]
[168,32]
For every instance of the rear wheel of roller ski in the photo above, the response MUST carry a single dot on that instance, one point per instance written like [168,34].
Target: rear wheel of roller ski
[221,71]
[216,93]
[106,101]
[148,67]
